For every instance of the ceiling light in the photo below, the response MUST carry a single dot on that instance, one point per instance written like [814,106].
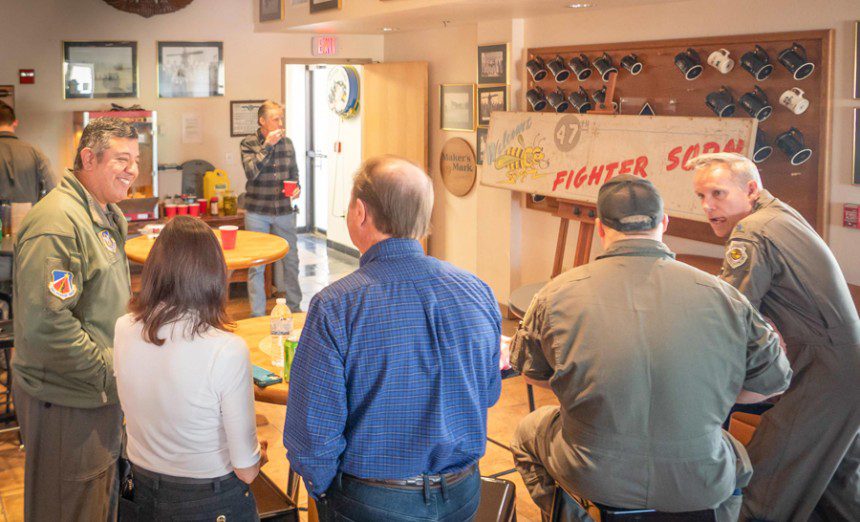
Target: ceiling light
[579,5]
[388,29]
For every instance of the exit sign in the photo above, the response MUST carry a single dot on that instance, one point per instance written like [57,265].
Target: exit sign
[324,45]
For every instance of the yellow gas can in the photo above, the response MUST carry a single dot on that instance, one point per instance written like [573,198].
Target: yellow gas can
[215,182]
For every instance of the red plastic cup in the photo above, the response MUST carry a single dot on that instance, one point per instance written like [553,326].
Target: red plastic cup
[182,210]
[203,205]
[194,210]
[228,236]
[169,210]
[290,188]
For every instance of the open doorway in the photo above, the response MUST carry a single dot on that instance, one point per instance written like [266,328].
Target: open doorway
[328,151]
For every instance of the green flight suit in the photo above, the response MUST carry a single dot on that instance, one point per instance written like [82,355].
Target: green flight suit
[806,447]
[71,285]
[647,356]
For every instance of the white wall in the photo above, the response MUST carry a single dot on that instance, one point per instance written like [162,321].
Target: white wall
[486,228]
[31,39]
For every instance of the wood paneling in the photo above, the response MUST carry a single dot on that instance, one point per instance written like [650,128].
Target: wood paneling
[394,102]
[804,187]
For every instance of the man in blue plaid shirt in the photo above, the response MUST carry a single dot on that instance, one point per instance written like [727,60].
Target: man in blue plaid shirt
[269,159]
[396,367]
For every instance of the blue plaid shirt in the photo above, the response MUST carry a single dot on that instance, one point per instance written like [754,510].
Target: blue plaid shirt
[396,367]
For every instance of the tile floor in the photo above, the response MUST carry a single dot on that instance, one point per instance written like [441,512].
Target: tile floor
[319,266]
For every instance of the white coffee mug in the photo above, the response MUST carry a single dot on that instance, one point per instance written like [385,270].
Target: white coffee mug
[794,101]
[720,61]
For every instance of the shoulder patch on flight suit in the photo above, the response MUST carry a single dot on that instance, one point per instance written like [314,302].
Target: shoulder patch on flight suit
[61,284]
[736,254]
[108,241]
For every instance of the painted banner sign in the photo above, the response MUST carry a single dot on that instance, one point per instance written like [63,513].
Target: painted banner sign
[569,156]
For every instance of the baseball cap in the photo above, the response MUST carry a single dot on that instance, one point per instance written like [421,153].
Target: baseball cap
[629,203]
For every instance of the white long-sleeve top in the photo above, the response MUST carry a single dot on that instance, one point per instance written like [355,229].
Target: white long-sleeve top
[189,405]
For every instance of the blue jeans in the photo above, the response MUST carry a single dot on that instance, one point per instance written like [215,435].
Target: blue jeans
[285,271]
[161,497]
[351,500]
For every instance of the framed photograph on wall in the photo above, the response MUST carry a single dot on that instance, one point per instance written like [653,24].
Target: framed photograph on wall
[457,106]
[493,63]
[243,117]
[857,60]
[856,155]
[317,6]
[481,144]
[491,99]
[7,95]
[271,10]
[190,69]
[100,69]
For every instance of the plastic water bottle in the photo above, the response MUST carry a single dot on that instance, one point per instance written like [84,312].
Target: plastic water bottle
[281,324]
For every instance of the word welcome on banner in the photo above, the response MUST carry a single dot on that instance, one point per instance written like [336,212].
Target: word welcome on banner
[569,156]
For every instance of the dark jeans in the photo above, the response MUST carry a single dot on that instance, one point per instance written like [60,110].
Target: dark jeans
[348,499]
[161,497]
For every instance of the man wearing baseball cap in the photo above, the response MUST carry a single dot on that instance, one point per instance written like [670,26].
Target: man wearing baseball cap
[646,355]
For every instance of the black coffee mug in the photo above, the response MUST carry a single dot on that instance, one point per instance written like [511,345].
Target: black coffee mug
[721,102]
[794,59]
[756,104]
[599,97]
[757,63]
[581,67]
[558,100]
[537,68]
[536,99]
[763,150]
[604,67]
[631,63]
[579,101]
[558,69]
[791,143]
[689,63]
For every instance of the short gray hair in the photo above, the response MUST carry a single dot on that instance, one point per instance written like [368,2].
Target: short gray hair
[742,168]
[400,207]
[267,106]
[97,136]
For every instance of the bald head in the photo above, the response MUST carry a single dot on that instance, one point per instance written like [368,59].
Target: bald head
[398,196]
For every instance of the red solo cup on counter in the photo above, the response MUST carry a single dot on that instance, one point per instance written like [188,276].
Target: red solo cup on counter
[182,209]
[169,210]
[202,205]
[228,236]
[290,188]
[194,210]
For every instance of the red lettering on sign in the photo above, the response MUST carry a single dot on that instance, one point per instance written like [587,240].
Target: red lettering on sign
[559,179]
[710,147]
[673,158]
[596,174]
[732,146]
[580,178]
[625,167]
[691,153]
[639,169]
[571,176]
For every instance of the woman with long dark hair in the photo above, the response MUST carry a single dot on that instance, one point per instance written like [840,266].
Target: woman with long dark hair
[184,384]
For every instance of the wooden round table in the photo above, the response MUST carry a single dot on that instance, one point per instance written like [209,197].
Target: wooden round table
[252,249]
[253,331]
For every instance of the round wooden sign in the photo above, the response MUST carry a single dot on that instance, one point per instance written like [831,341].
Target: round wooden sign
[458,166]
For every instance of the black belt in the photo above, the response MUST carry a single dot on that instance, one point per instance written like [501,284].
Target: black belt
[418,481]
[182,482]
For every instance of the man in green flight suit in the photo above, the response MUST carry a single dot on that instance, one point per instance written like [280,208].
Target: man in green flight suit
[71,285]
[647,355]
[806,451]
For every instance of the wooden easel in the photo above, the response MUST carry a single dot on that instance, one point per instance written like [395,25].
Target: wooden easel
[572,211]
